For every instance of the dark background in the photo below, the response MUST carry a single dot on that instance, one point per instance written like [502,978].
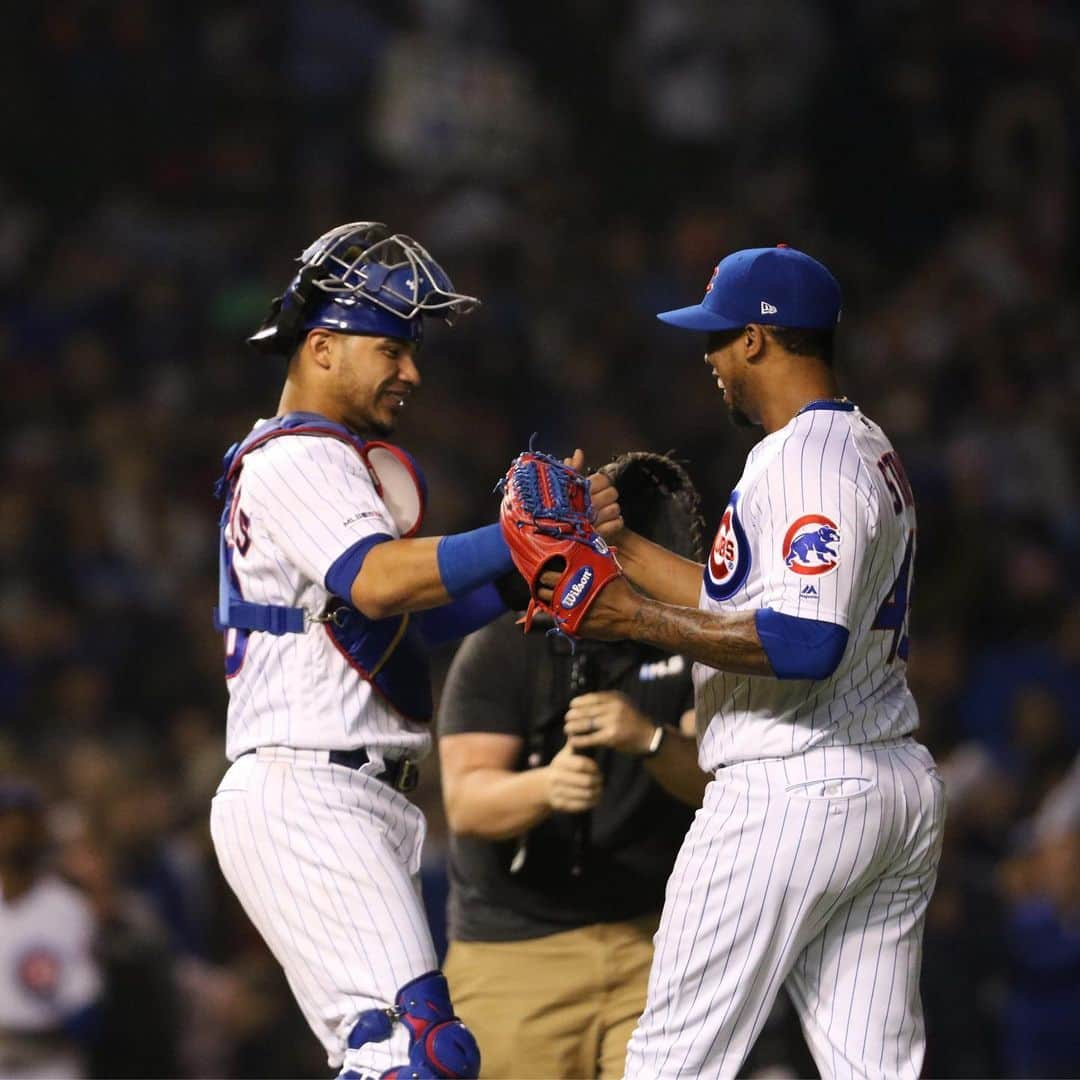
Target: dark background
[579,166]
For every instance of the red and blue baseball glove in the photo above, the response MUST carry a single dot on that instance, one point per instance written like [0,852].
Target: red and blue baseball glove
[546,518]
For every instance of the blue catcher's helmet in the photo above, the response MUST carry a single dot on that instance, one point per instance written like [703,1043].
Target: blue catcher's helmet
[361,279]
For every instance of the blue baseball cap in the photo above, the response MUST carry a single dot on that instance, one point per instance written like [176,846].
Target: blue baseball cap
[774,286]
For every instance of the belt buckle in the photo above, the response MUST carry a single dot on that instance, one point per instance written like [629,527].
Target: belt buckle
[408,775]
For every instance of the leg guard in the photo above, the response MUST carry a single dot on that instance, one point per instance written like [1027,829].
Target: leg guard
[441,1047]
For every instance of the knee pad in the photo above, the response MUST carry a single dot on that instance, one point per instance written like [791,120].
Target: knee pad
[441,1047]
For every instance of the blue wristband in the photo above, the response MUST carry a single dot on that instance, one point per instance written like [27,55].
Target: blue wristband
[800,648]
[469,559]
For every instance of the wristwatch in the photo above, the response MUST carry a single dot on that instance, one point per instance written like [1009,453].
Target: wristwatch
[656,741]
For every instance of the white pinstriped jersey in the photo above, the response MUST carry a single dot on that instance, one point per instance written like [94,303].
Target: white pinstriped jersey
[820,526]
[48,974]
[301,502]
[47,965]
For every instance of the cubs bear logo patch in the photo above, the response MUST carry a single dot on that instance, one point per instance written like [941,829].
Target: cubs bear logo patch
[811,545]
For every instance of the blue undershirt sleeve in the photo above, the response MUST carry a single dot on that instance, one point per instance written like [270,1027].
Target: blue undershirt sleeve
[461,616]
[800,648]
[342,574]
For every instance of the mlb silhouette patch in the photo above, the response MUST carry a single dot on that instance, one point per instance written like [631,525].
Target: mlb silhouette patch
[811,545]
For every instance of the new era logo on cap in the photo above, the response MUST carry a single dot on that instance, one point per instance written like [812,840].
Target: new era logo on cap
[801,292]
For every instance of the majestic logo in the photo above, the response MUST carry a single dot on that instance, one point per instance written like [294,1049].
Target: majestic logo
[810,545]
[767,308]
[576,590]
[729,557]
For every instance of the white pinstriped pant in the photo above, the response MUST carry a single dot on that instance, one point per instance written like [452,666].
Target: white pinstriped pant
[324,860]
[811,872]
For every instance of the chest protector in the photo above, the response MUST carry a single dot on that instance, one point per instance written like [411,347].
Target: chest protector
[388,653]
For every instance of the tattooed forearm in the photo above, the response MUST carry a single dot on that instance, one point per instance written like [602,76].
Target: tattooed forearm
[660,573]
[726,641]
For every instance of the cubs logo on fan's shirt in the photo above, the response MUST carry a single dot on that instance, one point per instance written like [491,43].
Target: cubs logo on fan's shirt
[795,538]
[38,971]
[48,972]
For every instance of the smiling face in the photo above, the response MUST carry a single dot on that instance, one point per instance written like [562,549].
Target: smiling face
[359,380]
[725,354]
[377,377]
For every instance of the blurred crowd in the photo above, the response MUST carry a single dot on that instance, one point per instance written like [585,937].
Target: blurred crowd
[579,166]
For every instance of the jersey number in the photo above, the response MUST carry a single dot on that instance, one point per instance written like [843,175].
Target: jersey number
[893,613]
[236,643]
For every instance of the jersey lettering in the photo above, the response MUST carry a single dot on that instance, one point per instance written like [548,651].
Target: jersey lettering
[892,469]
[237,539]
[239,531]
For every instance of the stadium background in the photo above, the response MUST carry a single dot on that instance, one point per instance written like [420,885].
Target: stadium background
[579,166]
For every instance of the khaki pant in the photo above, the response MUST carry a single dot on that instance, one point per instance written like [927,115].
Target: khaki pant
[558,1007]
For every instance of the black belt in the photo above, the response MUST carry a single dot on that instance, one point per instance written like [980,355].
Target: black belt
[402,774]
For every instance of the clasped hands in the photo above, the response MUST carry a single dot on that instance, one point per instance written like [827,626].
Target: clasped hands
[609,610]
[605,718]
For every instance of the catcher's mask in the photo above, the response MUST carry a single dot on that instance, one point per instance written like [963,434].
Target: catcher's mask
[361,279]
[658,500]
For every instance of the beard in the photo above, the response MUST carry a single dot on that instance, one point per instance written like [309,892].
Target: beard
[377,427]
[736,414]
[372,421]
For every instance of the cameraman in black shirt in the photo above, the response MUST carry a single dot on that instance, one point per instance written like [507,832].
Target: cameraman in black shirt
[569,780]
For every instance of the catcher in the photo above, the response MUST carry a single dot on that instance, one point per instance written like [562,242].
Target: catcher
[569,785]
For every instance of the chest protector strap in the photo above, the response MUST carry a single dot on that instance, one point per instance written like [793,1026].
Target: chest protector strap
[389,653]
